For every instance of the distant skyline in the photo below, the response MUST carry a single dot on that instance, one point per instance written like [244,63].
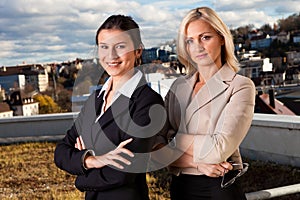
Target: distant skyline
[33,31]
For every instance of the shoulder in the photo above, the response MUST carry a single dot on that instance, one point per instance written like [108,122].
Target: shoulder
[91,99]
[243,80]
[182,80]
[240,82]
[146,94]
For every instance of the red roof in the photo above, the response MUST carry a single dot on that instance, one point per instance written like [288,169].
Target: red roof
[23,69]
[4,107]
[279,109]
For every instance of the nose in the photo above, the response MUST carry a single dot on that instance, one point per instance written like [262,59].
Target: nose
[199,45]
[112,54]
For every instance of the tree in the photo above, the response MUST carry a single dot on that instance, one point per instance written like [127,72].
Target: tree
[266,28]
[46,104]
[64,100]
[291,23]
[245,30]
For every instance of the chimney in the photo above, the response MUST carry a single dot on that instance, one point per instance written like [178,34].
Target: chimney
[271,97]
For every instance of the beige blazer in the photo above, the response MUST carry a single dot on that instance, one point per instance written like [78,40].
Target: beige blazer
[218,117]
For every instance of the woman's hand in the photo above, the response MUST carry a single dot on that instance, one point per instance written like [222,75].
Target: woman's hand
[214,170]
[79,143]
[110,158]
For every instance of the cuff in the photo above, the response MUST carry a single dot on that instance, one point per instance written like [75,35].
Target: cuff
[159,140]
[87,153]
[172,142]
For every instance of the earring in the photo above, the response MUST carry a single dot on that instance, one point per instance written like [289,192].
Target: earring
[138,61]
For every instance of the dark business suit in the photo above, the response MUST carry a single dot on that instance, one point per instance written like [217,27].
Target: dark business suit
[126,118]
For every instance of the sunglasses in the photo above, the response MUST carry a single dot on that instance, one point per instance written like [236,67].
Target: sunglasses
[230,177]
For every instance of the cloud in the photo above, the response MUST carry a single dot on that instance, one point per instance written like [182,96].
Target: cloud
[235,20]
[55,30]
[256,12]
[7,48]
[288,7]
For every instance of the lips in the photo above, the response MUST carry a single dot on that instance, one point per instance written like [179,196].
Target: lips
[201,55]
[113,64]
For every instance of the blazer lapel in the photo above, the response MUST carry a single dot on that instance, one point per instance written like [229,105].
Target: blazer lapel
[213,88]
[91,111]
[120,105]
[183,94]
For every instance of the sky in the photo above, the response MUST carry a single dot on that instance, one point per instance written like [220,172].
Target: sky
[46,31]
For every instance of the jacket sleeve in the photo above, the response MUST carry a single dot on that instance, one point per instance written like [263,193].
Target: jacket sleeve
[150,120]
[165,152]
[231,127]
[103,179]
[66,156]
[171,124]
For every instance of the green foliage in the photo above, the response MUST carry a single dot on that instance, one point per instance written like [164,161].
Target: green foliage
[46,104]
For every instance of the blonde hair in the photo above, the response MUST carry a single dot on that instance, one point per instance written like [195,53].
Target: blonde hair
[211,17]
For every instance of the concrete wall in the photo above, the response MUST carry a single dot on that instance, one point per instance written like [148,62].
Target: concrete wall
[35,128]
[271,137]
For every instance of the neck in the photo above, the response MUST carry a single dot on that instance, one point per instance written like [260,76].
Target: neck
[205,73]
[118,81]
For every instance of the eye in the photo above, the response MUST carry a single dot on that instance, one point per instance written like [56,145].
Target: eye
[102,46]
[120,46]
[205,37]
[188,41]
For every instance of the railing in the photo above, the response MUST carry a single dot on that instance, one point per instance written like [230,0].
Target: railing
[275,192]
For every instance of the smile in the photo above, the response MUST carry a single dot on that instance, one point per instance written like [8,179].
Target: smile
[113,64]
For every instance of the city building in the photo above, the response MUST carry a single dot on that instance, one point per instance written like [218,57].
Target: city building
[260,70]
[23,105]
[13,81]
[292,75]
[293,58]
[5,110]
[2,94]
[296,37]
[283,37]
[149,55]
[22,76]
[260,41]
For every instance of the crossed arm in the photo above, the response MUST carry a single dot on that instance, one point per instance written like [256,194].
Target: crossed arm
[110,158]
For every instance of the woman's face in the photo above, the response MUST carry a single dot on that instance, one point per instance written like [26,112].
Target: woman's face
[203,44]
[116,52]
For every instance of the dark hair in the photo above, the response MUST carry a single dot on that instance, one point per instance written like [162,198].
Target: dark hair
[123,23]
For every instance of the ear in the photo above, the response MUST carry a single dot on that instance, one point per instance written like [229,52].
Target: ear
[222,41]
[138,52]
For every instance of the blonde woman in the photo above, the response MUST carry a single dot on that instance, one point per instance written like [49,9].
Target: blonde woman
[210,111]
